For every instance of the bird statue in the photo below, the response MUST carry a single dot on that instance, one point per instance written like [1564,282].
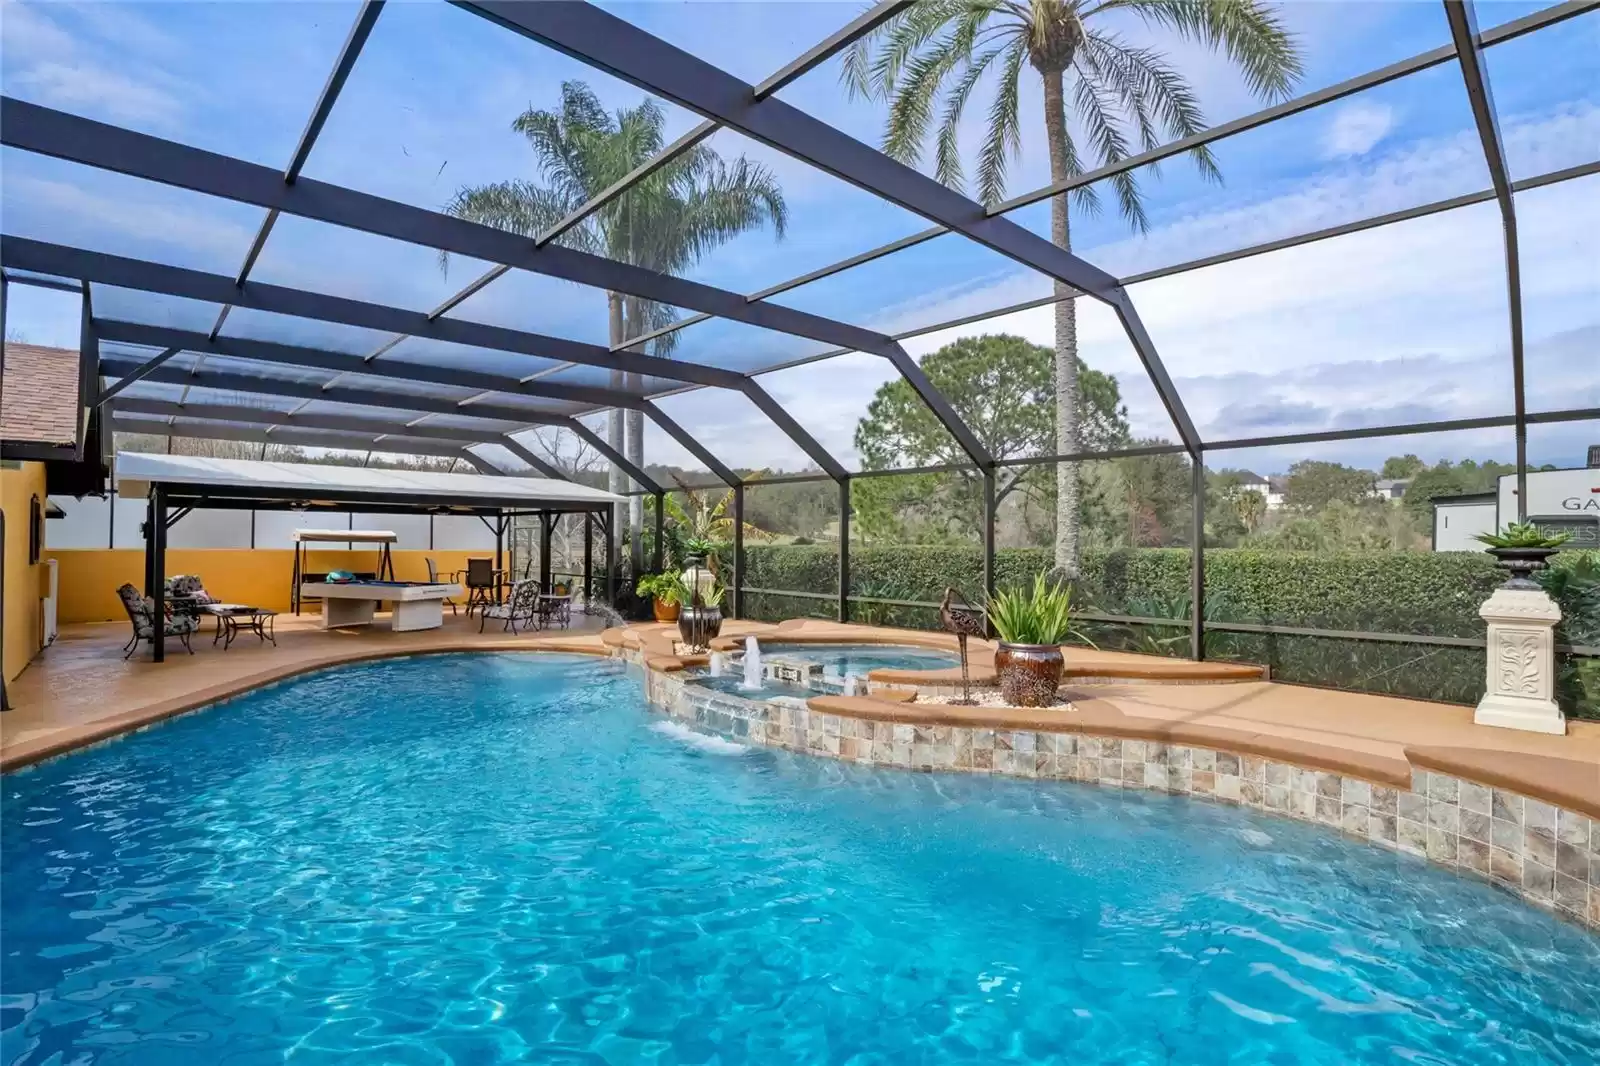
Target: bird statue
[964,622]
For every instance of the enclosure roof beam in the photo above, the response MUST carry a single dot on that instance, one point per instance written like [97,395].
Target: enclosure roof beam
[131,375]
[690,444]
[116,365]
[515,448]
[61,135]
[622,49]
[618,47]
[1333,93]
[216,412]
[305,438]
[366,18]
[343,362]
[1463,20]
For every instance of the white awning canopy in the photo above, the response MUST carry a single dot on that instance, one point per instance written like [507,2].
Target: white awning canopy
[368,536]
[313,483]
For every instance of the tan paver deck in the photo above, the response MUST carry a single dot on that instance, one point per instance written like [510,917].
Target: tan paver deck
[80,690]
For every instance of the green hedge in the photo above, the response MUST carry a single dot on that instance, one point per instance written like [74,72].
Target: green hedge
[1420,593]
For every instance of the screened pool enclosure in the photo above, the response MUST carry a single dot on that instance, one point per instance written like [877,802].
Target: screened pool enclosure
[279,225]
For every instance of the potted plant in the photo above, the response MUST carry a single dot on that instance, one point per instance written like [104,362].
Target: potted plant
[665,592]
[700,617]
[1031,622]
[1522,549]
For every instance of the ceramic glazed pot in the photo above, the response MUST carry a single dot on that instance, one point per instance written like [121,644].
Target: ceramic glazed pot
[1522,564]
[699,625]
[665,612]
[1029,673]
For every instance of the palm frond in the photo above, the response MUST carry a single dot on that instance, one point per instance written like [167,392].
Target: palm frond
[1249,31]
[1111,146]
[1003,139]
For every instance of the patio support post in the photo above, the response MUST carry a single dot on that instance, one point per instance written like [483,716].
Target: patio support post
[547,528]
[158,572]
[738,551]
[988,544]
[1463,19]
[844,549]
[150,545]
[658,561]
[499,547]
[588,558]
[1197,560]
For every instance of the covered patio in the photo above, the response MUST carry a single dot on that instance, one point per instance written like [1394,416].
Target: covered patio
[174,486]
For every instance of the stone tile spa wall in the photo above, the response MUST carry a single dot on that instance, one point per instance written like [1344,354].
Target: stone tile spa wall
[1547,855]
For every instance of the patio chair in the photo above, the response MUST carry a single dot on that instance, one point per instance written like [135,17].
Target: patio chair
[141,612]
[433,579]
[187,594]
[482,579]
[556,608]
[522,605]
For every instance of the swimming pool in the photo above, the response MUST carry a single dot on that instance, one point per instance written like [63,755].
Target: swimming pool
[513,860]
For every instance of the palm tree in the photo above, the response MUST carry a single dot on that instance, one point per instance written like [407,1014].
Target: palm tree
[1124,99]
[666,222]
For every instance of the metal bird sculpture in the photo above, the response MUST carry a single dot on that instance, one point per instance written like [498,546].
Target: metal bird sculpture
[964,622]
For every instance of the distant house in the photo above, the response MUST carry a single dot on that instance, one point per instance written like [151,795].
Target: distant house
[1390,488]
[1270,489]
[1277,491]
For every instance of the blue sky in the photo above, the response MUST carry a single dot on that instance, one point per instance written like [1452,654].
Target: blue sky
[1403,324]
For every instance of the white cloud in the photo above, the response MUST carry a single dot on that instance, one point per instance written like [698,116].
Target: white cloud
[47,63]
[1356,129]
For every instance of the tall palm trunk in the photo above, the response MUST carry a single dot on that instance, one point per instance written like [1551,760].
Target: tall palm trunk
[614,425]
[1066,541]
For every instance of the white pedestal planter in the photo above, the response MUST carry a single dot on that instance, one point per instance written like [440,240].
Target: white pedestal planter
[1521,662]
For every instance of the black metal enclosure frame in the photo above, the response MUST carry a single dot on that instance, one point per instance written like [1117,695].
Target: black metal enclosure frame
[623,50]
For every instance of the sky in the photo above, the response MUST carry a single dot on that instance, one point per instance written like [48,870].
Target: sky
[1402,324]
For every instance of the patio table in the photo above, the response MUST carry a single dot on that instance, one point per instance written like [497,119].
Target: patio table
[230,616]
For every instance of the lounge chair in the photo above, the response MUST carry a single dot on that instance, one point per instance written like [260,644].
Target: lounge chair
[522,605]
[141,612]
[187,594]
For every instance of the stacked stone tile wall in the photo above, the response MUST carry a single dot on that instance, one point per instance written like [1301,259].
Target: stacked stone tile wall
[1545,854]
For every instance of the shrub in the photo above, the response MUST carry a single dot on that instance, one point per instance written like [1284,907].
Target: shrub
[1436,594]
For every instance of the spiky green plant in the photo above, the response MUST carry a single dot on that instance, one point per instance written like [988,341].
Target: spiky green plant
[1037,614]
[1522,535]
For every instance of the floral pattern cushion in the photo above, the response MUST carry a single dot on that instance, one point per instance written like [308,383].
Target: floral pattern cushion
[189,585]
[141,609]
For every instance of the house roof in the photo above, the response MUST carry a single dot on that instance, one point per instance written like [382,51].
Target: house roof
[40,401]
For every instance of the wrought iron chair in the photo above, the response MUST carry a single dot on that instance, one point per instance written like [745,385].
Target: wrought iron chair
[522,605]
[141,613]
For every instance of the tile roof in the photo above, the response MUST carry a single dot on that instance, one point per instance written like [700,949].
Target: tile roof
[40,400]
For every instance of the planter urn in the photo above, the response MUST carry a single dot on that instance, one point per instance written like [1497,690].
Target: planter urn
[698,626]
[1522,564]
[664,612]
[1029,673]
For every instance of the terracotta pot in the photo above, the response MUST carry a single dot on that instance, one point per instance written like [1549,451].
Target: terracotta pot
[698,626]
[1029,673]
[1522,564]
[665,612]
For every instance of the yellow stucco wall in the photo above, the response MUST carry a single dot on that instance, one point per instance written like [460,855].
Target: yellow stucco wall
[89,579]
[24,618]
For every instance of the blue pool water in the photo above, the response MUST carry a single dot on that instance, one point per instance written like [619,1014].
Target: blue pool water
[482,859]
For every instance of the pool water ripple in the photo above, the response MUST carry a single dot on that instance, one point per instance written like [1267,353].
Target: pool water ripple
[484,859]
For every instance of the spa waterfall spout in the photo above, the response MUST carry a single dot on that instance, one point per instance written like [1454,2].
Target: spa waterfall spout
[752,664]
